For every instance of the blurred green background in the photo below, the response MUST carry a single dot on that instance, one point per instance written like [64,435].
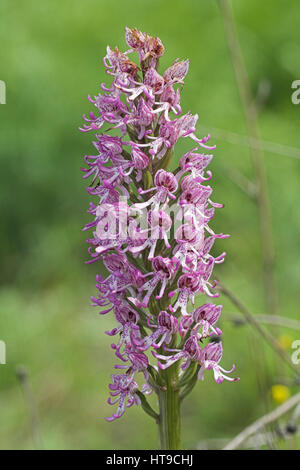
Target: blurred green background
[50,59]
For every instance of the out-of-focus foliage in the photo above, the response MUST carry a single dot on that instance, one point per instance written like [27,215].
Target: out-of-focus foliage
[50,59]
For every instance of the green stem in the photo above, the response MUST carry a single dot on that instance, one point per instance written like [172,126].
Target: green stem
[251,116]
[169,408]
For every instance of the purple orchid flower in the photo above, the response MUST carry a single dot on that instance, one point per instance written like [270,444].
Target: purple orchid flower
[122,389]
[210,358]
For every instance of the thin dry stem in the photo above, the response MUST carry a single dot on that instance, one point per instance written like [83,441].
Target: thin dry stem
[262,422]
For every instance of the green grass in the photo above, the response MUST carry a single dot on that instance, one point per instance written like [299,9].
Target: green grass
[51,60]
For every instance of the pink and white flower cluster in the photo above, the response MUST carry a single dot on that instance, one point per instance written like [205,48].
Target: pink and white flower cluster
[153,274]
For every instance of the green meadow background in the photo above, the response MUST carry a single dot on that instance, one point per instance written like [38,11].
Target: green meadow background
[50,59]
